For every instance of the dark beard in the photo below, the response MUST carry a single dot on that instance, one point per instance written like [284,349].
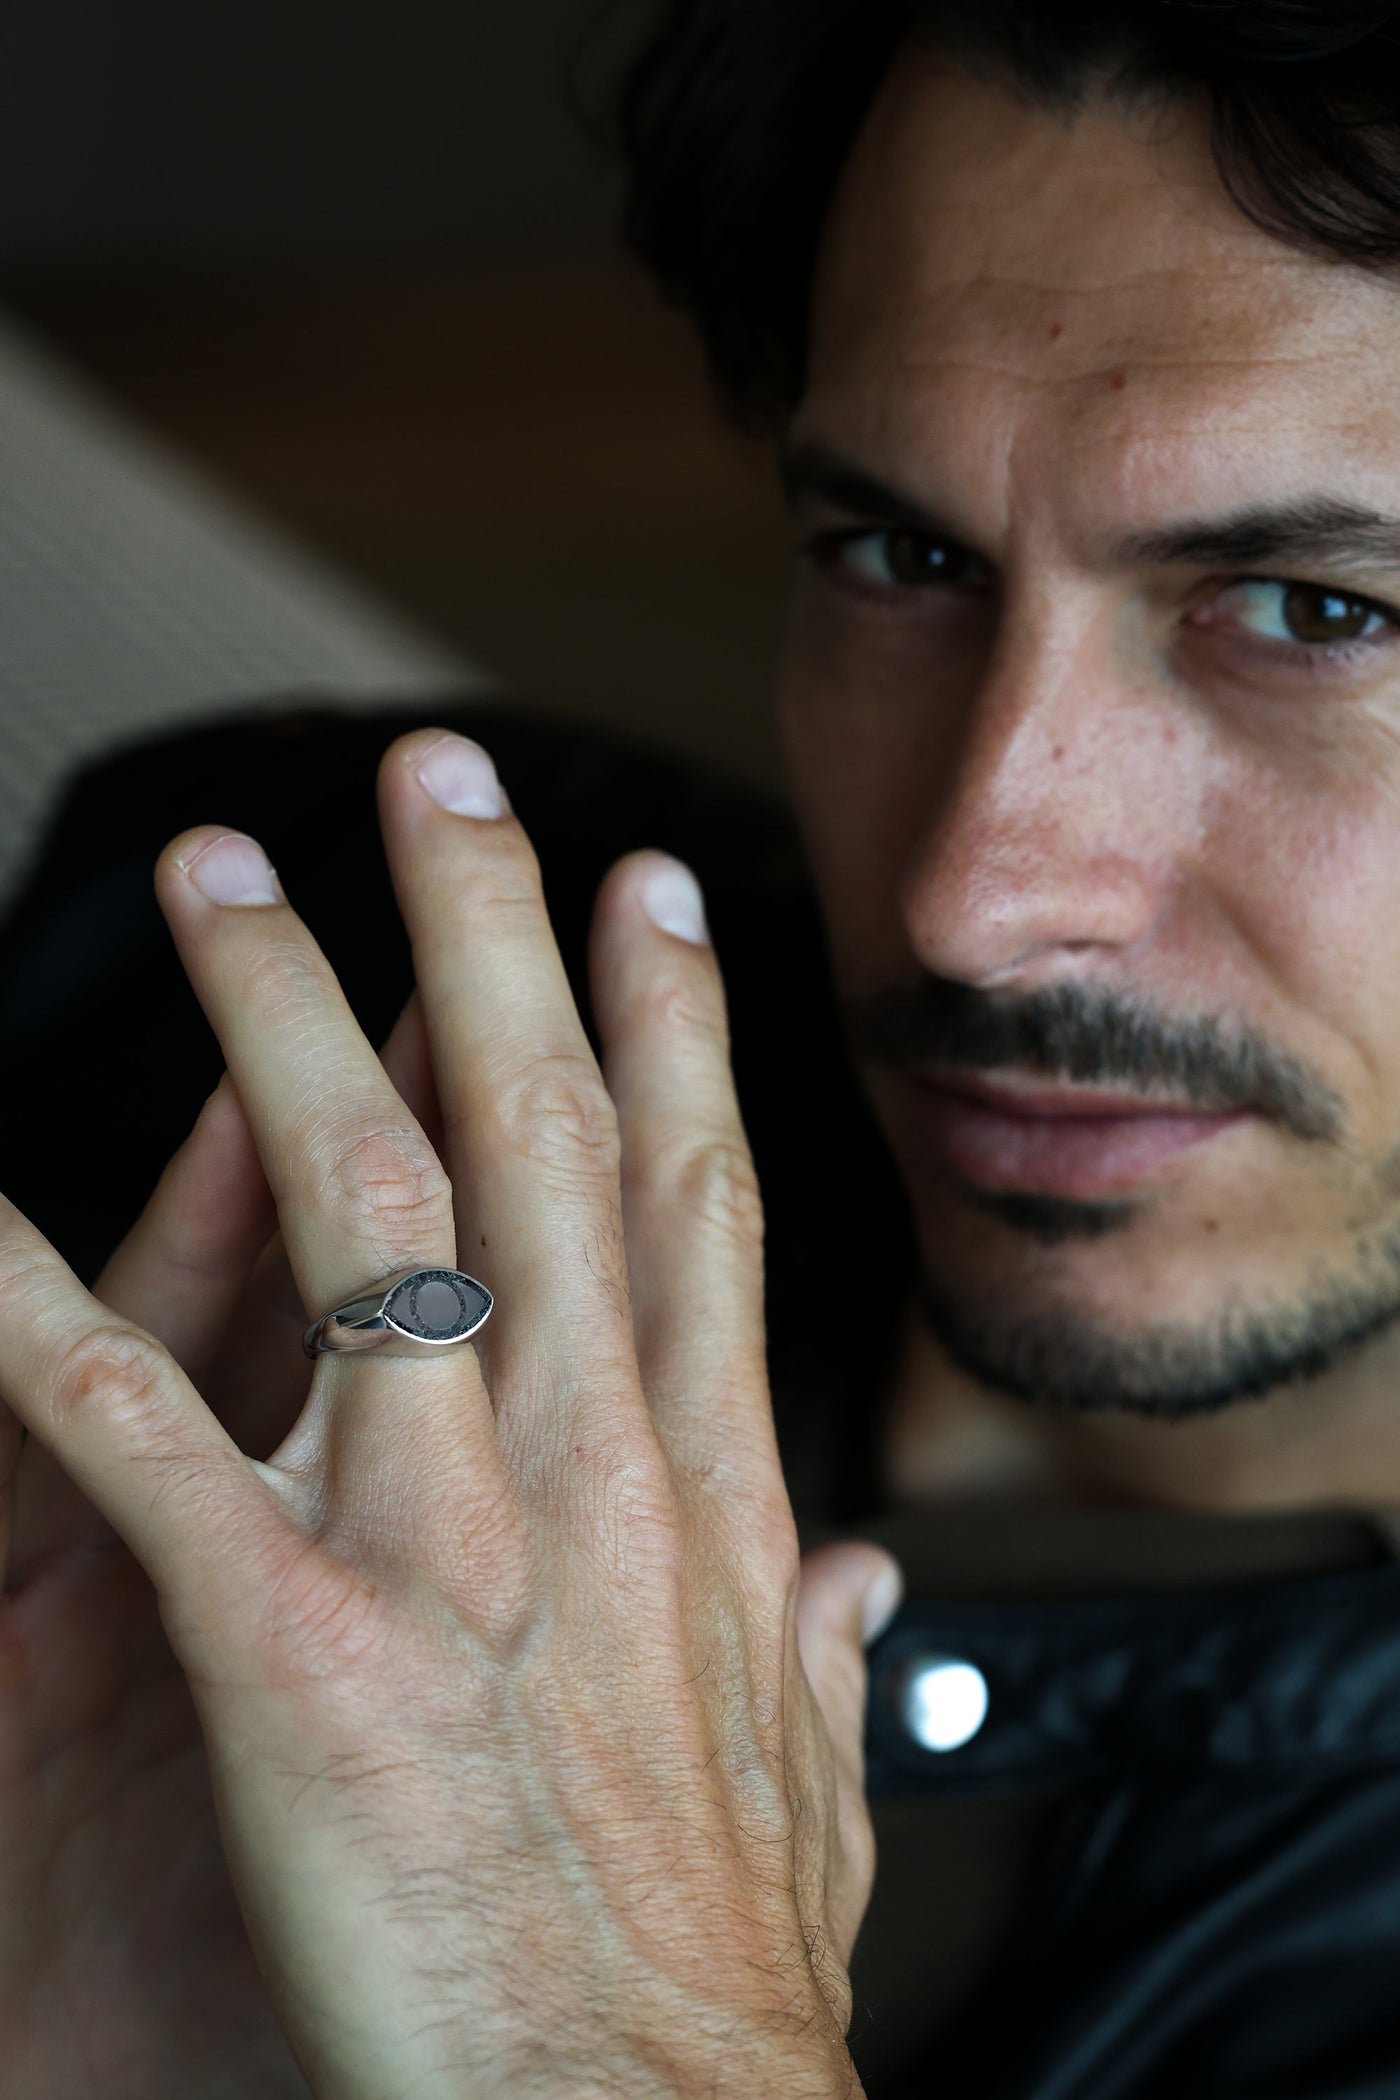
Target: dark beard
[1069,1358]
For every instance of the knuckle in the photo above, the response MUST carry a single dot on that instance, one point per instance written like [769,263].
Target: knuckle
[116,1370]
[620,1495]
[559,1115]
[772,1550]
[755,1519]
[715,1184]
[681,1002]
[279,973]
[508,878]
[392,1180]
[24,1269]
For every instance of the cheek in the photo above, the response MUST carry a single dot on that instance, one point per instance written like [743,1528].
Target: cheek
[1308,865]
[860,749]
[857,794]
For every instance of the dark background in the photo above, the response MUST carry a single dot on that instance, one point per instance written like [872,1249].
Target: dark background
[360,262]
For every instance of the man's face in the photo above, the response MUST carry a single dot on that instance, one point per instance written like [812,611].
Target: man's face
[1091,706]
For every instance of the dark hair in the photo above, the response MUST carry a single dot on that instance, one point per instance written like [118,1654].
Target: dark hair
[736,117]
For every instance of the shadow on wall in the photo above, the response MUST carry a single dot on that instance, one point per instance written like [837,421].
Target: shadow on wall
[251,132]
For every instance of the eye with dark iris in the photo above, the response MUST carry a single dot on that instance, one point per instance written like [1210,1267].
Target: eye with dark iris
[1314,616]
[1312,613]
[896,558]
[910,557]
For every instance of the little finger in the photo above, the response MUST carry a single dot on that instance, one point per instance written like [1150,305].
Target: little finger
[692,1215]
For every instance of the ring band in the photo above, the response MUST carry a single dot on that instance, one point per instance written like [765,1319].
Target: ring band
[414,1312]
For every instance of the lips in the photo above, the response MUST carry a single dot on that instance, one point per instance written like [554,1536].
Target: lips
[1050,1142]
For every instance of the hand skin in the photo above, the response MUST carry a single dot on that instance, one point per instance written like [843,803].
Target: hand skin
[536,1766]
[114,1894]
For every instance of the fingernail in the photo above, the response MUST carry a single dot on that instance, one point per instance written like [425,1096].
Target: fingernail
[234,870]
[459,776]
[671,899]
[882,1601]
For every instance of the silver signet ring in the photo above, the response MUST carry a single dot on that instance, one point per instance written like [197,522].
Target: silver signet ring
[415,1312]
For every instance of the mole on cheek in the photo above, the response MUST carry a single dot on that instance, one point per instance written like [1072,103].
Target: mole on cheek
[1057,329]
[1118,382]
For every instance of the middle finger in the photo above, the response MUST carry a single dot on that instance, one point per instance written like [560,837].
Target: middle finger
[530,1132]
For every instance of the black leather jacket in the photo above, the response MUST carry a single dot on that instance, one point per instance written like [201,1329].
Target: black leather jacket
[1208,1902]
[1216,1908]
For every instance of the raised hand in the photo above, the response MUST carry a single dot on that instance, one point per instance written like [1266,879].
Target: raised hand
[125,1969]
[523,1785]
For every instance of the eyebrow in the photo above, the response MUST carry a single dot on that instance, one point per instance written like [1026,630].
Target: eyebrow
[1325,529]
[1322,529]
[813,472]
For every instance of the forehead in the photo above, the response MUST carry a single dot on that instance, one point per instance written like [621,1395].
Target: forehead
[1022,294]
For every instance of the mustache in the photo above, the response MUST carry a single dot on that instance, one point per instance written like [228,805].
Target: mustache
[1098,1036]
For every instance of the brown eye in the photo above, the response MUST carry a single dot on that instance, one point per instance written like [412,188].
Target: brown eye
[1314,614]
[907,560]
[911,558]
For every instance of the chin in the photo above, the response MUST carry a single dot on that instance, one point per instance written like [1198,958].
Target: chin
[1125,1326]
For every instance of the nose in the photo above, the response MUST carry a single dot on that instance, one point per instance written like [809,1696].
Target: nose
[1048,850]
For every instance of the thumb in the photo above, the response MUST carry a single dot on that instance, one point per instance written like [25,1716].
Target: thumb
[846,1598]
